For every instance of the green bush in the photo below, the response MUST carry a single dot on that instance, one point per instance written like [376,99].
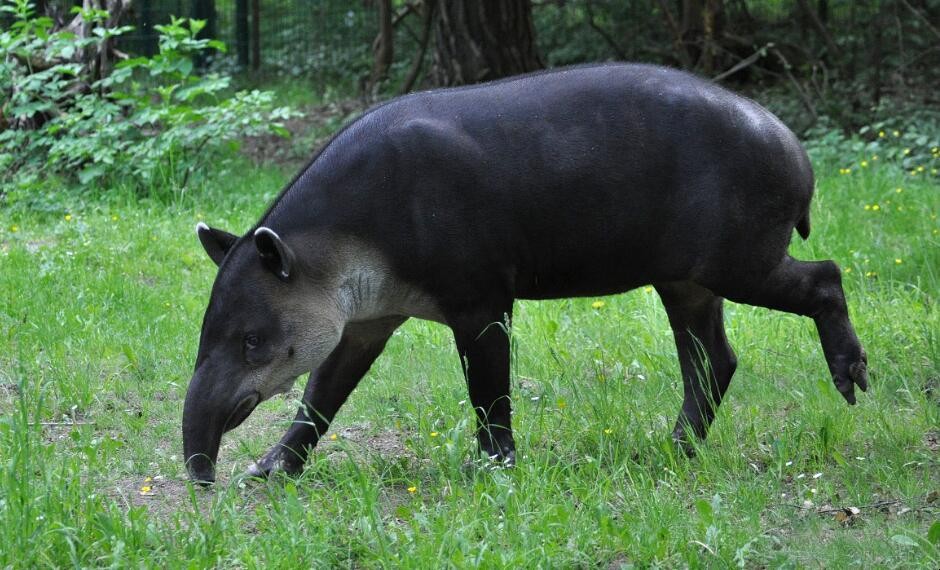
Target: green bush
[149,124]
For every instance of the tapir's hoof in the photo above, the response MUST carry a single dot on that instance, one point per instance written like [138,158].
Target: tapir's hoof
[855,374]
[682,443]
[505,459]
[275,461]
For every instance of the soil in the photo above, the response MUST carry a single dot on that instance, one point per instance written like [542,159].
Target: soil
[308,132]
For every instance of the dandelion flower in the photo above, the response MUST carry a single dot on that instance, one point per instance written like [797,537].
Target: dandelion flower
[881,134]
[561,404]
[864,164]
[412,489]
[898,261]
[876,207]
[434,434]
[896,133]
[148,479]
[847,270]
[867,206]
[597,304]
[920,168]
[608,431]
[14,228]
[907,151]
[146,489]
[333,436]
[68,217]
[114,218]
[898,190]
[648,289]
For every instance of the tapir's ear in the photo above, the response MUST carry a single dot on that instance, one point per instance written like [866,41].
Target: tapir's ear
[275,254]
[215,242]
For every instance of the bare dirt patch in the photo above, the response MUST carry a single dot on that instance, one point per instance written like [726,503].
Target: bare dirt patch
[308,132]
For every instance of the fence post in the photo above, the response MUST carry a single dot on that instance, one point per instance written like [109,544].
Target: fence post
[241,31]
[255,34]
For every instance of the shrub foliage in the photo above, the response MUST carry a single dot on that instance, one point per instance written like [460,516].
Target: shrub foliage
[147,121]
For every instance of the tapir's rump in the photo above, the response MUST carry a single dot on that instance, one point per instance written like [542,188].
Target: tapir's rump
[450,204]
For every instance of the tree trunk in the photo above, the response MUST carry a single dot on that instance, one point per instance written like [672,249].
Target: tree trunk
[702,28]
[384,47]
[205,10]
[481,40]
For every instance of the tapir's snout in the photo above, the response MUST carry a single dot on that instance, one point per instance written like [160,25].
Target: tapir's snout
[209,412]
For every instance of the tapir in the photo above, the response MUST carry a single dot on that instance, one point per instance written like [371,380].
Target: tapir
[448,205]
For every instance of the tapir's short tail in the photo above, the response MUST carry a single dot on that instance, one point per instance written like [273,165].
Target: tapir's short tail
[802,225]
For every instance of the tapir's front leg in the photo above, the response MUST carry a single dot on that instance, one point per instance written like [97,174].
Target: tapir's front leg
[327,390]
[483,345]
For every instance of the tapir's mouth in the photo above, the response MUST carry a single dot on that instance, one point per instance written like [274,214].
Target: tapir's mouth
[242,411]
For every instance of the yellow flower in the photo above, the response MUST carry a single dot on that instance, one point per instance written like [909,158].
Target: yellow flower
[68,217]
[881,134]
[898,261]
[608,431]
[145,489]
[412,489]
[898,190]
[333,436]
[864,164]
[913,172]
[907,151]
[561,404]
[847,270]
[148,479]
[920,168]
[648,289]
[935,150]
[933,171]
[876,207]
[874,157]
[14,228]
[896,133]
[597,304]
[935,232]
[114,218]
[434,434]
[868,206]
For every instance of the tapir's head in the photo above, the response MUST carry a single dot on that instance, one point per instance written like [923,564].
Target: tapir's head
[269,320]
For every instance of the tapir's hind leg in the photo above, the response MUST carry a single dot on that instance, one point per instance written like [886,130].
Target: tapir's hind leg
[327,389]
[483,345]
[705,357]
[812,289]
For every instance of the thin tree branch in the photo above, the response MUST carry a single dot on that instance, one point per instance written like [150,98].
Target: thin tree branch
[589,9]
[746,62]
[922,18]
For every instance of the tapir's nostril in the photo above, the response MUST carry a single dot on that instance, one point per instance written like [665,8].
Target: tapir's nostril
[242,411]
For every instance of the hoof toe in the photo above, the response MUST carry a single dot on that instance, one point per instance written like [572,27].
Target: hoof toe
[858,371]
[274,462]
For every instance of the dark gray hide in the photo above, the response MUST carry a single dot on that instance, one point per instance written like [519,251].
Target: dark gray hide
[449,204]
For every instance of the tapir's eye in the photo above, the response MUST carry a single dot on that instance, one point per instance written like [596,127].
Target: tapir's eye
[252,341]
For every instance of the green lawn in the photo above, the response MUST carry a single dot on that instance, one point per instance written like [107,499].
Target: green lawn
[100,308]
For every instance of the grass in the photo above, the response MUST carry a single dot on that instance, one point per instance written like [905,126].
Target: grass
[99,321]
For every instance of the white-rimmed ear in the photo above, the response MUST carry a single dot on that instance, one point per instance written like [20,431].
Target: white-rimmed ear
[275,254]
[216,242]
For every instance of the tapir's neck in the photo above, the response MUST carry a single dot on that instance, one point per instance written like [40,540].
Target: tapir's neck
[366,288]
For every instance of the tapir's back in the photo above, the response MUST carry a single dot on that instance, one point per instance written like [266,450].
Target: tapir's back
[546,179]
